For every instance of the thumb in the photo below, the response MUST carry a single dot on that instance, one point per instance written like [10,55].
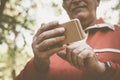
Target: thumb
[62,54]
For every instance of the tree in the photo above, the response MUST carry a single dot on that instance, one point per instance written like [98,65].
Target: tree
[14,18]
[15,22]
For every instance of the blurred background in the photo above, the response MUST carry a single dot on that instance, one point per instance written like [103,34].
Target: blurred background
[19,20]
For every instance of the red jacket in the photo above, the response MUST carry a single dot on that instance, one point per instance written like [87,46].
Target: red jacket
[106,43]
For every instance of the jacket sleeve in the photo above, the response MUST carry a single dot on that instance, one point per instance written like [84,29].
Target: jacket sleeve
[113,72]
[109,39]
[30,72]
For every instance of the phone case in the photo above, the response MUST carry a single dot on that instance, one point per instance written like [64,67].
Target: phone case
[74,31]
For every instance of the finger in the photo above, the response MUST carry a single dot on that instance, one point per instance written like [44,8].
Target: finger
[45,27]
[39,30]
[73,45]
[85,54]
[69,50]
[54,50]
[62,54]
[51,33]
[76,52]
[49,42]
[50,25]
[46,54]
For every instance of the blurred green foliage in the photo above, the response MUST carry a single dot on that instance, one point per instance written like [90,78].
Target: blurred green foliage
[14,19]
[15,22]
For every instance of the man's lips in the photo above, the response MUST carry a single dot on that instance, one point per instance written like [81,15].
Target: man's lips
[77,7]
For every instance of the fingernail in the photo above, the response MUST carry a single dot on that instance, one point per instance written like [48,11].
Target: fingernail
[64,45]
[62,29]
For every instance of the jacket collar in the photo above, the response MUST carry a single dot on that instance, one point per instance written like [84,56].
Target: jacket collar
[100,24]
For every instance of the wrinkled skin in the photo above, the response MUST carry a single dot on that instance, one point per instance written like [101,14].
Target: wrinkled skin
[47,41]
[48,38]
[82,56]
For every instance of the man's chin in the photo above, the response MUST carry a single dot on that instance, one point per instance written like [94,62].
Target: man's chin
[81,17]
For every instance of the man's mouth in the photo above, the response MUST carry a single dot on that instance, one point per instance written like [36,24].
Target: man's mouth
[77,7]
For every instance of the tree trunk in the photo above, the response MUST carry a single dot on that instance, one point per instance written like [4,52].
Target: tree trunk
[13,74]
[2,5]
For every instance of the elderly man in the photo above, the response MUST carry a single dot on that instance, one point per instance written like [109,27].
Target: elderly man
[95,58]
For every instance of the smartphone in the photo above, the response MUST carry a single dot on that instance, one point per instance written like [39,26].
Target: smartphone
[73,31]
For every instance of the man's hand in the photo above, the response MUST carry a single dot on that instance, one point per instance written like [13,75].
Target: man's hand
[46,42]
[82,56]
